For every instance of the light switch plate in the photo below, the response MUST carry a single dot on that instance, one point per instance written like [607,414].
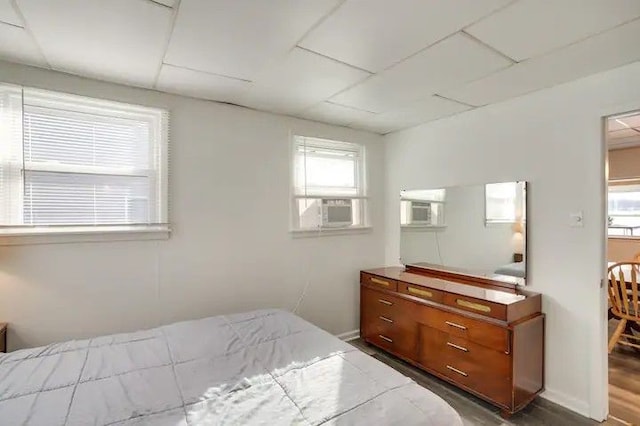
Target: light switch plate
[576,220]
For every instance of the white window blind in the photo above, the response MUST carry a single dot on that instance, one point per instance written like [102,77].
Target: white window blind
[328,179]
[76,162]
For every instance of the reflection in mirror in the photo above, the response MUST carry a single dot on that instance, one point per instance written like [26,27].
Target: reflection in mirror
[478,228]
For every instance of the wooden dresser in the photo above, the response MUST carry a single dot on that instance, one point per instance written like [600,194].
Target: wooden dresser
[476,332]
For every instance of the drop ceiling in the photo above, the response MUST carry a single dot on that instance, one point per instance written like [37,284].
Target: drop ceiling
[624,131]
[375,65]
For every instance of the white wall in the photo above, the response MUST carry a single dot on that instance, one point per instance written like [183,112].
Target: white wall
[552,138]
[465,242]
[230,249]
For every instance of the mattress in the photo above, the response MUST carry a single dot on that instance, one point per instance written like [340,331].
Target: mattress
[264,367]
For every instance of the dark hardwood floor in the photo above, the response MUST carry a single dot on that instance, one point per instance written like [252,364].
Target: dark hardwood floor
[474,411]
[624,382]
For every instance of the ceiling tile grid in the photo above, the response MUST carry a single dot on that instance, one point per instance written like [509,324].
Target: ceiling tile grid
[451,62]
[378,65]
[300,80]
[605,51]
[375,34]
[8,15]
[199,84]
[530,28]
[331,113]
[237,38]
[117,40]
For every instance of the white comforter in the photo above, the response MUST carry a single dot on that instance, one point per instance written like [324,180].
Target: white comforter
[263,367]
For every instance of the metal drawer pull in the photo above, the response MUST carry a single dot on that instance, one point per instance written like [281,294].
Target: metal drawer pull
[453,345]
[453,324]
[418,292]
[462,373]
[471,305]
[385,302]
[379,281]
[385,338]
[386,319]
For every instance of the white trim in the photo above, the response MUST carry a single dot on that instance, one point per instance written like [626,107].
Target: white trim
[349,335]
[423,228]
[326,232]
[567,401]
[63,235]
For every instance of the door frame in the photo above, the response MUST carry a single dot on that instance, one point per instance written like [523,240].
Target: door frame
[599,359]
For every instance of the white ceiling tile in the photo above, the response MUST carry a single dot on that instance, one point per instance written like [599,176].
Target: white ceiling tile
[117,40]
[572,62]
[16,45]
[614,125]
[200,85]
[624,133]
[238,38]
[455,60]
[416,113]
[8,14]
[337,114]
[631,120]
[300,80]
[528,28]
[376,34]
[169,3]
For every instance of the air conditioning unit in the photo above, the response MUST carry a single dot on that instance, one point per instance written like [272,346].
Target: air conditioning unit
[337,212]
[420,213]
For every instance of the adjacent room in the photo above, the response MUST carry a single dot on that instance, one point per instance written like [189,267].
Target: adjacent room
[319,212]
[623,251]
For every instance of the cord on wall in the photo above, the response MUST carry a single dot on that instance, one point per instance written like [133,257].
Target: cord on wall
[307,281]
[438,247]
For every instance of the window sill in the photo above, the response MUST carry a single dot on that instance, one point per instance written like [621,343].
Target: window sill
[326,232]
[424,228]
[28,236]
[624,237]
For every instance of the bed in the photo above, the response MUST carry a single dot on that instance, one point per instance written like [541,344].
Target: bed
[265,367]
[516,269]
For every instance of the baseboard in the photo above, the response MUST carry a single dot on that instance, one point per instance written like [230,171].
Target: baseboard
[567,401]
[349,335]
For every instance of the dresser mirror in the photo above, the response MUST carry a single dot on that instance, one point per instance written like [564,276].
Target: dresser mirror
[480,229]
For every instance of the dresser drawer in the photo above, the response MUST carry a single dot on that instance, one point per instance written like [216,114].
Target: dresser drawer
[482,307]
[376,281]
[420,292]
[384,322]
[480,332]
[436,345]
[466,363]
[396,338]
[384,307]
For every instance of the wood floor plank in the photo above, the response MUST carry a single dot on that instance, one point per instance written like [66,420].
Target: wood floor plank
[624,383]
[475,411]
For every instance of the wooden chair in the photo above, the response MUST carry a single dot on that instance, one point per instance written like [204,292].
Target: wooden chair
[625,305]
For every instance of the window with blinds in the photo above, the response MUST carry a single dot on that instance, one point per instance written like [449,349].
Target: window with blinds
[504,202]
[70,162]
[328,184]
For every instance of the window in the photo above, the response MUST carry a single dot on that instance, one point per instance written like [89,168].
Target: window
[328,182]
[74,164]
[624,209]
[504,202]
[422,208]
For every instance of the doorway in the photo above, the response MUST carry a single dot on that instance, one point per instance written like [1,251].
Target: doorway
[623,259]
